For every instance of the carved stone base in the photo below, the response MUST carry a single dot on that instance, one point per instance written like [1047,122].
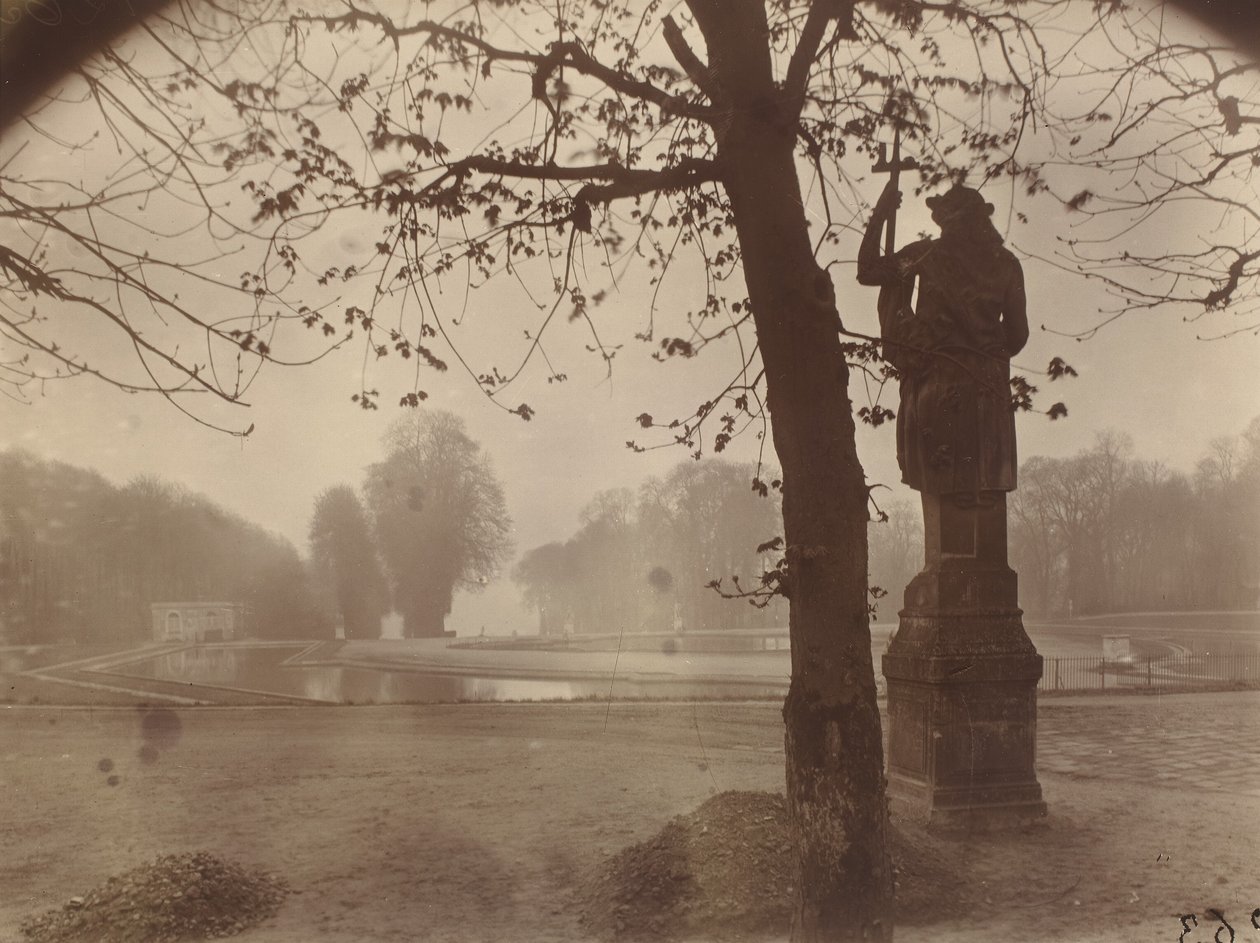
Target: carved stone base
[962,677]
[962,738]
[962,680]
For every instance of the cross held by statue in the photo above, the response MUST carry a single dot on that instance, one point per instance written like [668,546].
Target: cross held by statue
[893,168]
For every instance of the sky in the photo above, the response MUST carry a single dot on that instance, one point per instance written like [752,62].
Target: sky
[1145,375]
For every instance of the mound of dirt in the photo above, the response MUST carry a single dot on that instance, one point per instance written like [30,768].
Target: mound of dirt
[726,871]
[176,897]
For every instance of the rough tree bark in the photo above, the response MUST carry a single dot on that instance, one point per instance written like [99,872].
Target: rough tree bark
[835,766]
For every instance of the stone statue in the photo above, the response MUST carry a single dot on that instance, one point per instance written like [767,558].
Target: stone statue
[961,671]
[955,427]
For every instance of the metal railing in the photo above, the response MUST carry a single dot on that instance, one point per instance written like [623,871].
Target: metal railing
[1184,672]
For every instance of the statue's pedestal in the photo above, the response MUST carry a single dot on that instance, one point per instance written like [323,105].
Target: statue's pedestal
[962,680]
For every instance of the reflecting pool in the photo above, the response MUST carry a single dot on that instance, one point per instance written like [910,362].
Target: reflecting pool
[264,670]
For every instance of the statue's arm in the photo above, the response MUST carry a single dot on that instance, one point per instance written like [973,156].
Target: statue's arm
[1015,311]
[874,268]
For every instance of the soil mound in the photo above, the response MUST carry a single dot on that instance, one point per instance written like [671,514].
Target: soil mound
[726,871]
[176,897]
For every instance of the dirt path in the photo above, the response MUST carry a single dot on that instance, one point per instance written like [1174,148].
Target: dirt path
[470,823]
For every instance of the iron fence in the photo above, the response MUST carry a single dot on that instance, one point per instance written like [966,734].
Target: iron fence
[1187,672]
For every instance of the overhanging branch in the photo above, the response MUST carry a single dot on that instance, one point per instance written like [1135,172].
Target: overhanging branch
[603,182]
[675,179]
[696,70]
[687,171]
[569,54]
[821,12]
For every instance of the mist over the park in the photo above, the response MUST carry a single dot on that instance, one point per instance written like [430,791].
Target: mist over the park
[1148,374]
[365,366]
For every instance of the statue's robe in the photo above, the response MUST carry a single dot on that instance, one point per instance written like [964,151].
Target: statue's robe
[956,424]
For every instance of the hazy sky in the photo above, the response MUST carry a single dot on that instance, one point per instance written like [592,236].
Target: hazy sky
[1146,375]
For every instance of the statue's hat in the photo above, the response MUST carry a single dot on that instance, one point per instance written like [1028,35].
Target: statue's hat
[959,199]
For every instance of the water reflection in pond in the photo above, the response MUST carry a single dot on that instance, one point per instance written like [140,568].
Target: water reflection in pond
[262,670]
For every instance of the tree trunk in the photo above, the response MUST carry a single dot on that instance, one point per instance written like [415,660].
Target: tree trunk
[361,622]
[426,622]
[424,614]
[835,765]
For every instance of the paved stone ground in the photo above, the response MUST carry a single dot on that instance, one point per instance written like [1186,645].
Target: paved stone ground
[1183,741]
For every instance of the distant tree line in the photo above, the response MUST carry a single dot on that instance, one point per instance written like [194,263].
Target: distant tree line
[82,559]
[1104,531]
[895,555]
[345,561]
[644,561]
[433,521]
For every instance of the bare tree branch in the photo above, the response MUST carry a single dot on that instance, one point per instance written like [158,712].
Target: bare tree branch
[559,55]
[804,58]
